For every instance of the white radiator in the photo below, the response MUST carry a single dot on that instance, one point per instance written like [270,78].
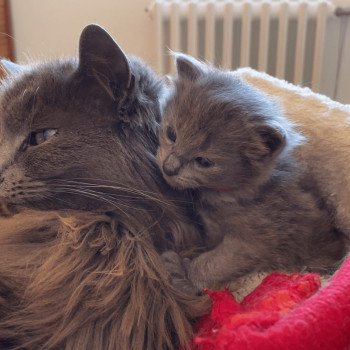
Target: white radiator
[282,37]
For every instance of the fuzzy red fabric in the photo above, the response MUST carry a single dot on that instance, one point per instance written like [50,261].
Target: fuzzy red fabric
[283,312]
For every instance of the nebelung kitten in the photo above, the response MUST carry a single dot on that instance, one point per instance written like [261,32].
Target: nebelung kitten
[232,145]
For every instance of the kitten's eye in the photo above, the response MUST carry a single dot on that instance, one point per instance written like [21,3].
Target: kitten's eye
[38,137]
[203,162]
[171,134]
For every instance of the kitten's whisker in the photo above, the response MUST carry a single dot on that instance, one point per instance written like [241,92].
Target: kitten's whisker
[53,197]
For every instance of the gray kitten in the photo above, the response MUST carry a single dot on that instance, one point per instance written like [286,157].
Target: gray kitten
[260,211]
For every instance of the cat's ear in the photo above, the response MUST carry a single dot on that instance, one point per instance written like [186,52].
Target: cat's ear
[273,139]
[11,68]
[102,59]
[188,67]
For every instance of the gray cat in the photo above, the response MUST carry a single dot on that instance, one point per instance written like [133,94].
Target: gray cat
[79,136]
[229,143]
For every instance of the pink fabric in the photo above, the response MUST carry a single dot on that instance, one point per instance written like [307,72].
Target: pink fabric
[283,312]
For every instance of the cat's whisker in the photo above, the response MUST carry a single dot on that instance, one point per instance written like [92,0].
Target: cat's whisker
[122,188]
[88,184]
[32,189]
[108,195]
[92,195]
[102,181]
[147,229]
[99,182]
[55,198]
[126,189]
[114,195]
[24,93]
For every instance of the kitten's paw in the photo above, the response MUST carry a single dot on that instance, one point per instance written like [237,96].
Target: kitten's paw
[176,267]
[195,274]
[173,264]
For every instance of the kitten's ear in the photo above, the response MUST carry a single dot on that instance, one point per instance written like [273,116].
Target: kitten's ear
[11,68]
[188,67]
[273,139]
[101,58]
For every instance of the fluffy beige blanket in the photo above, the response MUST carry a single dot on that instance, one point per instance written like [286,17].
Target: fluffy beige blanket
[326,152]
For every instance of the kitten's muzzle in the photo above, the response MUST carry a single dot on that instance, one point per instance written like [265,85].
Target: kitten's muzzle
[171,165]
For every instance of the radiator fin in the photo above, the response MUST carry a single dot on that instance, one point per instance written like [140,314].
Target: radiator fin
[282,37]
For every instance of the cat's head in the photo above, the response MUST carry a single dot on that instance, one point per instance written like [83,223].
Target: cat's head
[218,132]
[78,133]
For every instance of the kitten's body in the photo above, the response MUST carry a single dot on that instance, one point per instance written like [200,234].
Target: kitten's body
[260,210]
[79,137]
[283,226]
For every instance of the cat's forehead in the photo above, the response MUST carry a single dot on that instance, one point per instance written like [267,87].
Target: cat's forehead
[22,96]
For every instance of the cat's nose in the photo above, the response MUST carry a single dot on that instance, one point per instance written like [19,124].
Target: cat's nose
[171,165]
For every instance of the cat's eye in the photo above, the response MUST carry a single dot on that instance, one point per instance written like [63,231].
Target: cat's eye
[203,162]
[38,137]
[171,134]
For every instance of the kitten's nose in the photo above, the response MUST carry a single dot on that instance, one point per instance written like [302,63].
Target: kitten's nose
[171,165]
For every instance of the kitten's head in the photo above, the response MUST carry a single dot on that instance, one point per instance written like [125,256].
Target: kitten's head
[78,133]
[218,132]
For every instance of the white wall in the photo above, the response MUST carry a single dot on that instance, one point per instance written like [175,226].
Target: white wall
[51,28]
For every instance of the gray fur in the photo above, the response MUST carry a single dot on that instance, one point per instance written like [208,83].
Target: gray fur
[106,110]
[260,210]
[91,276]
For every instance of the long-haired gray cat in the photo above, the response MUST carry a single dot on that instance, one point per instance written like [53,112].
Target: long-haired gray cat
[232,146]
[80,137]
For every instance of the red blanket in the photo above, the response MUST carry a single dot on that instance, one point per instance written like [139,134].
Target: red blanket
[283,312]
